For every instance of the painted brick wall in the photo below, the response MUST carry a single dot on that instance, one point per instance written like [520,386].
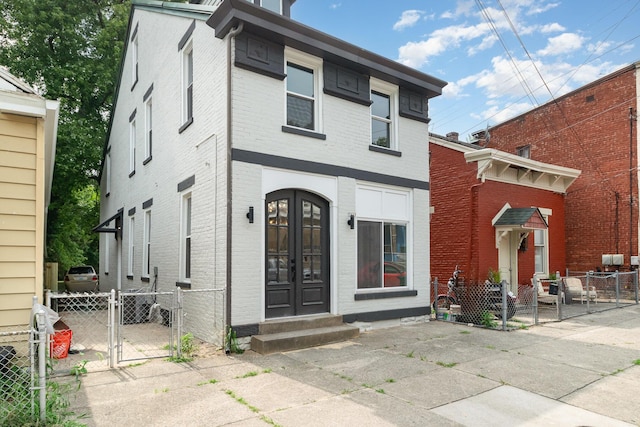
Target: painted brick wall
[588,129]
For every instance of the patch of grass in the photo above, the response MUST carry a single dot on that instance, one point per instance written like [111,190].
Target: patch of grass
[133,365]
[211,381]
[162,390]
[636,362]
[79,369]
[379,390]
[344,377]
[231,342]
[465,332]
[410,354]
[487,320]
[269,421]
[490,347]
[255,373]
[241,401]
[390,380]
[446,365]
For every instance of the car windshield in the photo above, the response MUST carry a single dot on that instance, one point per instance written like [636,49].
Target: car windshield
[81,270]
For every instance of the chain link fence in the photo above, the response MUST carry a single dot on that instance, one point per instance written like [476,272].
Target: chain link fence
[503,306]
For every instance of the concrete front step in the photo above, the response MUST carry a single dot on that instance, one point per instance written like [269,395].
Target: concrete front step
[292,340]
[275,326]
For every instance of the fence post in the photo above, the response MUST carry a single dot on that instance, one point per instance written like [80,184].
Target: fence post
[617,289]
[562,296]
[535,282]
[504,310]
[588,286]
[179,322]
[111,312]
[635,284]
[42,366]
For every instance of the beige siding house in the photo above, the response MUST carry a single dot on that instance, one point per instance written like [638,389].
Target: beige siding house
[28,128]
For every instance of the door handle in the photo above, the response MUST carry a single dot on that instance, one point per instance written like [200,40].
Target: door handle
[293,269]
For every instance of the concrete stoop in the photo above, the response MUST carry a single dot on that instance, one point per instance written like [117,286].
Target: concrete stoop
[295,333]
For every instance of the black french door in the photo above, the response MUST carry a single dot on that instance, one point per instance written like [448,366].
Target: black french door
[297,254]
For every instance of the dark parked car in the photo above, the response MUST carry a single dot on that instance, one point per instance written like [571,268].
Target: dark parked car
[82,278]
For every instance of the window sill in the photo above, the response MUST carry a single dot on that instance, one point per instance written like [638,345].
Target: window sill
[183,285]
[302,132]
[147,160]
[129,277]
[385,294]
[133,86]
[384,150]
[186,125]
[107,195]
[132,173]
[145,279]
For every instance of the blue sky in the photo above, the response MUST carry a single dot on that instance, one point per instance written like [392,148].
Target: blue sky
[500,57]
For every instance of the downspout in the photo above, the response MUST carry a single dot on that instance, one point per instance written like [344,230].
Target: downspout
[232,34]
[473,271]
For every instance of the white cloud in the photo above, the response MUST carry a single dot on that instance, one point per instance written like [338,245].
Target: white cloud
[562,44]
[551,28]
[335,5]
[408,19]
[540,8]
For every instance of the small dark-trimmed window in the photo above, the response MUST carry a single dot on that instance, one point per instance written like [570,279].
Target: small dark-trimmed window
[300,97]
[524,151]
[380,119]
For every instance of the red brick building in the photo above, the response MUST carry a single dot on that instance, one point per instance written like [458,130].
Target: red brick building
[487,207]
[593,129]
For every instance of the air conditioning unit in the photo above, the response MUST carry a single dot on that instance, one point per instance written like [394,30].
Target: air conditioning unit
[612,259]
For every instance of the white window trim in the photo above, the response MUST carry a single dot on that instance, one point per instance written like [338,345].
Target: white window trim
[183,236]
[392,91]
[132,146]
[186,51]
[107,252]
[146,244]
[148,134]
[382,217]
[315,64]
[108,173]
[134,60]
[546,213]
[132,246]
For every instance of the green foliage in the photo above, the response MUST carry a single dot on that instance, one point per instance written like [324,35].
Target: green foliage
[488,320]
[231,344]
[494,276]
[79,369]
[69,51]
[187,347]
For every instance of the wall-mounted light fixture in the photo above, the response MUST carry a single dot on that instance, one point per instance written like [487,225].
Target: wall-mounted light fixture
[250,215]
[352,221]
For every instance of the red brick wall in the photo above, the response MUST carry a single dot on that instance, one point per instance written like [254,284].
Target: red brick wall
[461,230]
[589,130]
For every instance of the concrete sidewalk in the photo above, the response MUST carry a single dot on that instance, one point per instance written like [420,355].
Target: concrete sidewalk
[580,372]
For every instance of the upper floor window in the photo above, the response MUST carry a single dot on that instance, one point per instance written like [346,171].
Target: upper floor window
[272,5]
[148,131]
[302,91]
[134,58]
[132,147]
[383,115]
[187,85]
[524,151]
[107,167]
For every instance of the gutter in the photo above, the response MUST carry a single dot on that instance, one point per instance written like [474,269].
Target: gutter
[232,34]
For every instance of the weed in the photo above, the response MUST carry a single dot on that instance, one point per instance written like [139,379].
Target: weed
[465,332]
[636,362]
[379,390]
[162,390]
[390,380]
[241,401]
[446,365]
[211,381]
[488,320]
[410,354]
[79,369]
[231,344]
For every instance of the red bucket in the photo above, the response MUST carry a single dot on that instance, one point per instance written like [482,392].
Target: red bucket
[60,343]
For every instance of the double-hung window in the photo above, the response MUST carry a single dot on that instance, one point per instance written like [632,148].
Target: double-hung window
[146,249]
[384,258]
[134,58]
[185,241]
[383,114]
[302,91]
[132,246]
[148,135]
[541,245]
[132,146]
[187,85]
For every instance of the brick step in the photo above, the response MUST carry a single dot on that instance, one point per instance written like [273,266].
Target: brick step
[303,338]
[289,324]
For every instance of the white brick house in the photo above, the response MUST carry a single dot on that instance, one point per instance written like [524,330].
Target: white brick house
[281,164]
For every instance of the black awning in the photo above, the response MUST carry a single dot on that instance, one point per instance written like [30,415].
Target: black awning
[117,228]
